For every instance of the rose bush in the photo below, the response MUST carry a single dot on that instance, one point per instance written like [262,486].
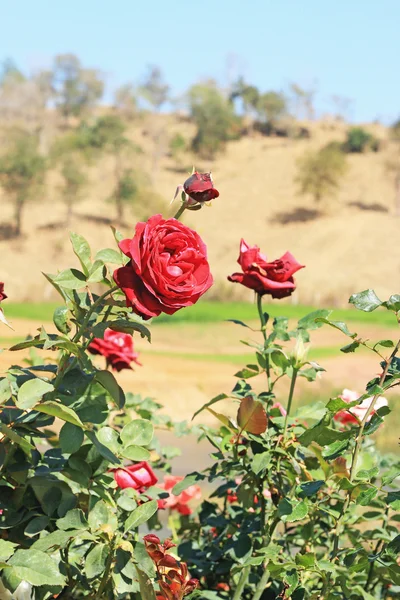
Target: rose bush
[295,505]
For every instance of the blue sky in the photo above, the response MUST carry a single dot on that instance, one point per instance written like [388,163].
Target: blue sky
[345,47]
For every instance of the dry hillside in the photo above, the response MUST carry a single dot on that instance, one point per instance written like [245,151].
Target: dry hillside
[351,245]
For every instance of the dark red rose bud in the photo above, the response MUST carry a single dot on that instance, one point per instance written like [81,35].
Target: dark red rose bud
[200,187]
[152,539]
[2,294]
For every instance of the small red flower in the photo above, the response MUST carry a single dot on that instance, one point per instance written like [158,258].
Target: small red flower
[273,278]
[138,476]
[180,502]
[200,187]
[3,296]
[117,349]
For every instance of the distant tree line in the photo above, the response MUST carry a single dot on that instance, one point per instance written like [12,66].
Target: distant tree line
[53,119]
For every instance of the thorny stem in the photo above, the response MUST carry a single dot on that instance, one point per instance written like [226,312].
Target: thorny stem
[377,549]
[358,448]
[289,406]
[106,576]
[264,332]
[265,576]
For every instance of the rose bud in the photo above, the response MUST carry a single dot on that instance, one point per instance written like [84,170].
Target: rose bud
[138,476]
[3,296]
[200,187]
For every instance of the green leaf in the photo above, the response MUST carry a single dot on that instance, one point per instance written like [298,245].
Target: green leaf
[109,437]
[310,488]
[60,319]
[17,439]
[6,549]
[123,325]
[366,300]
[291,580]
[338,325]
[97,272]
[136,453]
[36,567]
[251,416]
[82,250]
[146,587]
[186,482]
[335,405]
[36,525]
[110,384]
[305,560]
[365,496]
[71,279]
[100,515]
[350,347]
[310,321]
[248,371]
[210,403]
[290,513]
[141,514]
[5,390]
[96,560]
[260,462]
[102,449]
[138,432]
[55,409]
[71,438]
[393,303]
[280,359]
[108,255]
[74,519]
[238,322]
[31,392]
[55,539]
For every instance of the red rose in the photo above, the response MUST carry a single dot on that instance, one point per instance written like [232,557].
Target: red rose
[2,294]
[168,268]
[138,476]
[117,348]
[274,278]
[179,503]
[200,187]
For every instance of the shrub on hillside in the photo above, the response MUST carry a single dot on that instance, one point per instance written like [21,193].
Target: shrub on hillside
[319,173]
[214,118]
[359,140]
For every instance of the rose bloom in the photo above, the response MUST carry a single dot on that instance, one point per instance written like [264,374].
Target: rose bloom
[200,188]
[349,417]
[138,476]
[179,503]
[168,268]
[3,296]
[273,278]
[117,348]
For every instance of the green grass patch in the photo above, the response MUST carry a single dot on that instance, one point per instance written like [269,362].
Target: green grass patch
[212,312]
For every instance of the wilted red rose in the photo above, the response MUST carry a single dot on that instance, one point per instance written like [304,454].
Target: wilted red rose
[200,187]
[168,269]
[138,476]
[2,294]
[180,502]
[117,349]
[274,278]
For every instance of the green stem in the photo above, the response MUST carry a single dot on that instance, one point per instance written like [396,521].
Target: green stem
[357,449]
[106,576]
[180,211]
[89,313]
[290,399]
[244,576]
[264,332]
[262,583]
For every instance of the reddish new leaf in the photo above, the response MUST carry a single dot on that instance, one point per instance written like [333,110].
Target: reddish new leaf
[251,416]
